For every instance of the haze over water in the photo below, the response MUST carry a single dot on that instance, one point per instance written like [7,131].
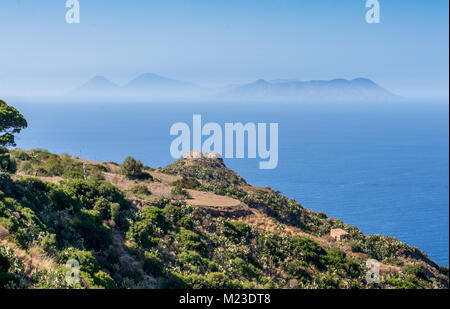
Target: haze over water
[382,167]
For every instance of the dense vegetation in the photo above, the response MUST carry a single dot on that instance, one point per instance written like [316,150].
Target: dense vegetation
[291,212]
[210,170]
[169,244]
[55,209]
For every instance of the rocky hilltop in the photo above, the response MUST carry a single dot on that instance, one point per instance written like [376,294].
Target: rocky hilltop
[192,224]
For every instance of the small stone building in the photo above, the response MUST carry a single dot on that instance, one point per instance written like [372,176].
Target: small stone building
[339,234]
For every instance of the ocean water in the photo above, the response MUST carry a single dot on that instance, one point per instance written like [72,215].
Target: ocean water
[381,167]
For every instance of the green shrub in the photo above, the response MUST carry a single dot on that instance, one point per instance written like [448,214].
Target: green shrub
[60,200]
[357,245]
[88,263]
[195,281]
[73,175]
[354,269]
[49,243]
[134,169]
[219,280]
[245,269]
[223,188]
[20,155]
[144,231]
[104,280]
[236,231]
[133,249]
[96,177]
[115,211]
[400,283]
[173,212]
[152,264]
[23,238]
[329,283]
[187,223]
[156,216]
[103,206]
[322,215]
[162,202]
[6,222]
[54,166]
[41,172]
[309,250]
[88,192]
[173,281]
[178,191]
[297,270]
[416,271]
[131,168]
[187,183]
[89,225]
[336,258]
[141,190]
[143,234]
[191,241]
[7,164]
[6,278]
[382,248]
[26,167]
[193,258]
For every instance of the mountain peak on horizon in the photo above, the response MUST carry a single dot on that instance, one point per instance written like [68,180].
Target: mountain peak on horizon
[363,80]
[100,79]
[154,85]
[336,89]
[152,79]
[97,85]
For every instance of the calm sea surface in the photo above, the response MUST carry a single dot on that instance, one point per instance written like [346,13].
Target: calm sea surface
[381,167]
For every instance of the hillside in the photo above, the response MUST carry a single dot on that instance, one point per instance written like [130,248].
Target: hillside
[192,224]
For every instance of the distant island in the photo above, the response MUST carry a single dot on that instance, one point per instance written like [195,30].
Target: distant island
[145,85]
[336,89]
[155,86]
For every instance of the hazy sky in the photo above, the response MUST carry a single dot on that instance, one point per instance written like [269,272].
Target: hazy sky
[214,42]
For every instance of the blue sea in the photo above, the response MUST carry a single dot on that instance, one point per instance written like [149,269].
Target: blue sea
[383,167]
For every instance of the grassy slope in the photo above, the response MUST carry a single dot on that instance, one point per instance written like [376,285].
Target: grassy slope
[163,233]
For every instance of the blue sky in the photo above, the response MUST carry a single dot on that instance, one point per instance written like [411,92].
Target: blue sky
[215,42]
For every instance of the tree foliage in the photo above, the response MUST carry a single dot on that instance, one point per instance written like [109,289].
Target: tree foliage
[134,169]
[11,123]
